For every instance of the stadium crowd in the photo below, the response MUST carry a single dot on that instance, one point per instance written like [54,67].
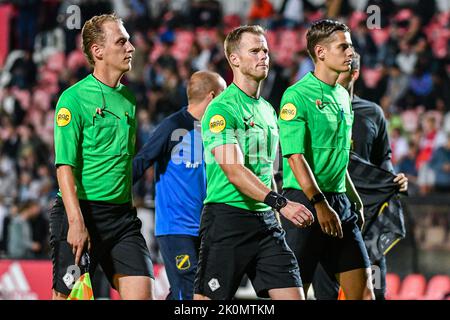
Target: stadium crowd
[405,69]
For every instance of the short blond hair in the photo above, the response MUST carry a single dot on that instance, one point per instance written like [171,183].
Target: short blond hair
[93,32]
[233,39]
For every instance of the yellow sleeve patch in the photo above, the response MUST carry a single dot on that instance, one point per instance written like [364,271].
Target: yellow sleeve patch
[288,112]
[63,117]
[217,123]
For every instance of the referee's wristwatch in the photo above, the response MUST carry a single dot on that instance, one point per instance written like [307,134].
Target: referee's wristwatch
[275,200]
[318,197]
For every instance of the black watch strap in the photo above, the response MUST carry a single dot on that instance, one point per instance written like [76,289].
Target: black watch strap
[318,197]
[275,200]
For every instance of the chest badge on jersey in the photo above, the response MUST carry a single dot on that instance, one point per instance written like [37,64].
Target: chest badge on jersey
[63,117]
[288,112]
[183,262]
[217,123]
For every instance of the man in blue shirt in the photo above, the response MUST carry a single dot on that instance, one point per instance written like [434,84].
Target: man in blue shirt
[175,149]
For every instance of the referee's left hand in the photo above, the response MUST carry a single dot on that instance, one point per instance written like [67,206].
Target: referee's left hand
[298,214]
[402,182]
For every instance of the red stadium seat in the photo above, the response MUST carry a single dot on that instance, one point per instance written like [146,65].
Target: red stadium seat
[413,287]
[372,76]
[231,21]
[410,120]
[392,286]
[56,62]
[380,36]
[183,44]
[206,36]
[272,40]
[355,18]
[438,287]
[289,43]
[75,60]
[156,52]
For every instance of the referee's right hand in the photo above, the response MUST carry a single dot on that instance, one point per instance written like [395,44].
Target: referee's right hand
[298,214]
[328,219]
[78,239]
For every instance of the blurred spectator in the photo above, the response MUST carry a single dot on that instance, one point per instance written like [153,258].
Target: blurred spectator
[27,22]
[9,138]
[168,98]
[136,75]
[364,44]
[3,214]
[11,107]
[261,11]
[28,188]
[407,57]
[305,64]
[425,9]
[397,85]
[428,141]
[206,13]
[23,72]
[47,43]
[145,128]
[440,164]
[46,186]
[399,145]
[29,139]
[166,59]
[8,178]
[201,55]
[20,244]
[139,15]
[407,165]
[292,13]
[218,63]
[11,212]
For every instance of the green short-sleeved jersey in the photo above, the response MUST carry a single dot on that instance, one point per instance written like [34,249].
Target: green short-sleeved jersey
[316,121]
[236,118]
[99,147]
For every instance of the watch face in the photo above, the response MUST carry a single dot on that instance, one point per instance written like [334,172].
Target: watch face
[281,201]
[317,198]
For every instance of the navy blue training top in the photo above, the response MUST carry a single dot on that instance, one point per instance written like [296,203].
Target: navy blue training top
[175,149]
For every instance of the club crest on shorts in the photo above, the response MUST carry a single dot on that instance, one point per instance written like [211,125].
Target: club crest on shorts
[217,123]
[288,112]
[183,262]
[63,117]
[213,284]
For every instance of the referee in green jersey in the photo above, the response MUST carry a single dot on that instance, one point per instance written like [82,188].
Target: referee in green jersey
[95,133]
[239,230]
[315,133]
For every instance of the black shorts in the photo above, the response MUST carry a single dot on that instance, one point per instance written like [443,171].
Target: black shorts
[116,241]
[235,242]
[311,245]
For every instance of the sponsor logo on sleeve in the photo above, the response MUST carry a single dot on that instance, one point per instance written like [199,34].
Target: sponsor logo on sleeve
[63,117]
[288,112]
[217,123]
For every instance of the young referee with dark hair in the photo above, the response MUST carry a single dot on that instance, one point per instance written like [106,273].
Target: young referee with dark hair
[370,141]
[315,134]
